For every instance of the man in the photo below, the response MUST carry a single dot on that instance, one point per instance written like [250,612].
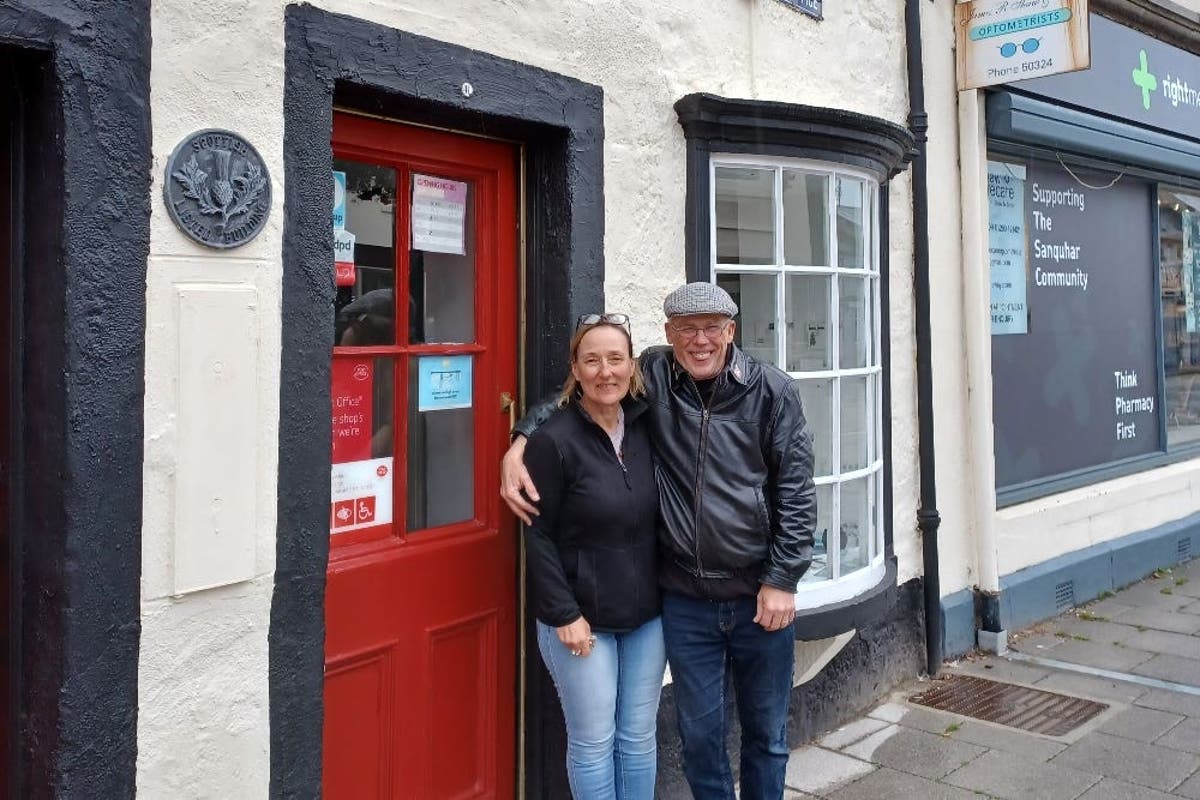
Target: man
[738,510]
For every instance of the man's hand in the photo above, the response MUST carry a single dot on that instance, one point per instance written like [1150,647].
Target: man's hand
[577,637]
[776,608]
[514,478]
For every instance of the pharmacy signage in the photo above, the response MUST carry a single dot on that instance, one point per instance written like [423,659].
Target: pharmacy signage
[1135,77]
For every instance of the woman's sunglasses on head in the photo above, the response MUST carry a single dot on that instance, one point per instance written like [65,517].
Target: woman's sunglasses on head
[595,319]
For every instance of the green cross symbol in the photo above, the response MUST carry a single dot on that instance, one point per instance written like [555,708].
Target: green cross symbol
[1143,77]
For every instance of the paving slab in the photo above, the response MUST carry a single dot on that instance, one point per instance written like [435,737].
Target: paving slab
[1112,789]
[851,733]
[1193,608]
[1189,788]
[889,784]
[1175,644]
[1011,740]
[1171,668]
[1141,724]
[1159,620]
[819,771]
[1185,736]
[930,720]
[1092,687]
[1124,759]
[1157,593]
[1005,775]
[1175,702]
[1109,607]
[889,712]
[1191,587]
[915,752]
[791,794]
[1102,655]
[999,668]
[1102,631]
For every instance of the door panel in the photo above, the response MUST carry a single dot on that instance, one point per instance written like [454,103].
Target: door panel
[421,600]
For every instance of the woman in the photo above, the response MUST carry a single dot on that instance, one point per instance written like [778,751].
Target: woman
[591,562]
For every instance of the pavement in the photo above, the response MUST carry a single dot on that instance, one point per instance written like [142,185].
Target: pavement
[1136,650]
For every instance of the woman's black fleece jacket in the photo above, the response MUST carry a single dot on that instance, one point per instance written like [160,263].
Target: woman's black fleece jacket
[592,550]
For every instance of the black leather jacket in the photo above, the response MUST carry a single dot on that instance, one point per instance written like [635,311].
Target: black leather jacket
[734,476]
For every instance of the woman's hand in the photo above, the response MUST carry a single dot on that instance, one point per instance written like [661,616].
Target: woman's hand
[577,637]
[514,479]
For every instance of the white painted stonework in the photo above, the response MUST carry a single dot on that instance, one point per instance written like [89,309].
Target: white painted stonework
[213,317]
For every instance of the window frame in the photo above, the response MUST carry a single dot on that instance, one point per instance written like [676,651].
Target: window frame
[839,587]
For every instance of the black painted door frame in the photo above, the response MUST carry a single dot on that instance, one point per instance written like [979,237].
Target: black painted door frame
[82,74]
[332,59]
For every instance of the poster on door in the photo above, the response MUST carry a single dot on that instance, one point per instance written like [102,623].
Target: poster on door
[1006,248]
[360,486]
[439,212]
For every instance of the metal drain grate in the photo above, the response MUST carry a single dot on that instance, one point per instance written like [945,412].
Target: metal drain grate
[1016,706]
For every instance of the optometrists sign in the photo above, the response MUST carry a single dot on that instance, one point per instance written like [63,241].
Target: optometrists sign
[1000,41]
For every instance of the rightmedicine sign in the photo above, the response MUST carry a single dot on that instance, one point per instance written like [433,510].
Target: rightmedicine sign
[1133,76]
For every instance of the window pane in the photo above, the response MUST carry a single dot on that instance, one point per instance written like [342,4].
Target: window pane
[805,219]
[851,228]
[1179,246]
[441,441]
[755,297]
[365,256]
[857,523]
[857,413]
[819,571]
[441,268]
[361,474]
[745,210]
[855,335]
[806,303]
[817,397]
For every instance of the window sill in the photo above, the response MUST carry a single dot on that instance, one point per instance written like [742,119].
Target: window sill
[841,615]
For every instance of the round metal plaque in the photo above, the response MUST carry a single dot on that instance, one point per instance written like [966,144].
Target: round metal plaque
[217,189]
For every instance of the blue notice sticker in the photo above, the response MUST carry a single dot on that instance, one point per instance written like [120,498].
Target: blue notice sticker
[444,382]
[339,200]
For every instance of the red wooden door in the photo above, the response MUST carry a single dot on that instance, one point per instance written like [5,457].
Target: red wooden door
[421,602]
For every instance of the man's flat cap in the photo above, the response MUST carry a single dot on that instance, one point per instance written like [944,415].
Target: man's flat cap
[699,298]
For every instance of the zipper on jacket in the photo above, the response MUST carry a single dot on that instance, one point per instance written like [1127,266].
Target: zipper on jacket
[700,457]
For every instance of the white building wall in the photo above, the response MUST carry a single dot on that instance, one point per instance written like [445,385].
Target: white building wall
[203,716]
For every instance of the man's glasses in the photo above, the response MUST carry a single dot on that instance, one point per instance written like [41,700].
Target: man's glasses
[712,330]
[596,319]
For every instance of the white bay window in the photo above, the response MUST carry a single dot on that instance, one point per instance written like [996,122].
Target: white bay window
[795,243]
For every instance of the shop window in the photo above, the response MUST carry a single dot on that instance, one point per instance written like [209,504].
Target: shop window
[795,243]
[1179,271]
[1089,379]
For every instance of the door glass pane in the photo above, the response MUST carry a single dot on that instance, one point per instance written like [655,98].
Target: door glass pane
[851,227]
[857,524]
[441,280]
[817,398]
[857,412]
[362,471]
[441,441]
[806,306]
[854,323]
[1179,251]
[755,297]
[364,254]
[819,571]
[805,219]
[745,211]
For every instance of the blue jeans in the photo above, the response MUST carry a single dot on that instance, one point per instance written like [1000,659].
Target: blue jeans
[610,703]
[707,644]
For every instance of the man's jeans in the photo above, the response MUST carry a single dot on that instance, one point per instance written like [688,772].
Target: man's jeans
[610,703]
[705,640]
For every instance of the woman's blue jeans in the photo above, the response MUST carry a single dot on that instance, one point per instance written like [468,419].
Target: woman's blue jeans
[610,702]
